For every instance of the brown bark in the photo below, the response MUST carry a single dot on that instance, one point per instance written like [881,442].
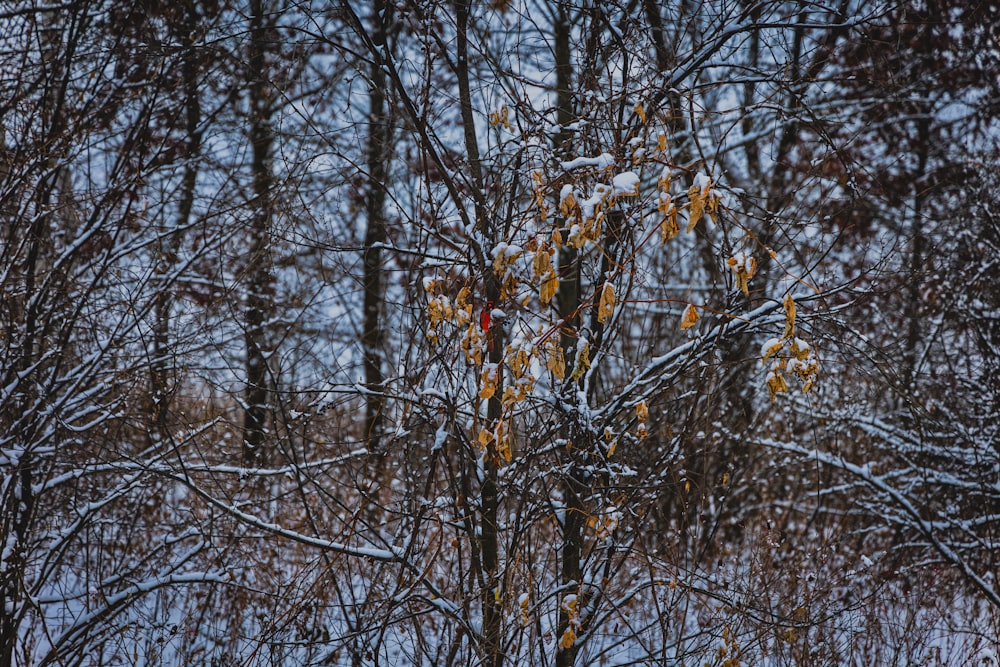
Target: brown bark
[568,303]
[489,547]
[161,367]
[379,137]
[260,305]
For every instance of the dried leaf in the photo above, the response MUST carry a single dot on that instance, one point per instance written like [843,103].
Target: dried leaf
[568,204]
[463,306]
[640,111]
[776,384]
[525,603]
[489,379]
[789,316]
[665,178]
[689,317]
[606,308]
[743,267]
[582,361]
[697,198]
[472,345]
[568,638]
[502,437]
[519,361]
[549,287]
[541,263]
[577,237]
[713,206]
[556,362]
[440,309]
[664,203]
[769,349]
[668,227]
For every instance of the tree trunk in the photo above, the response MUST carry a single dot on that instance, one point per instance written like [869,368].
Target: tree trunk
[568,303]
[489,546]
[260,303]
[379,137]
[161,367]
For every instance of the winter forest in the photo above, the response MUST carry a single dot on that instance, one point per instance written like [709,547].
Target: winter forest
[516,332]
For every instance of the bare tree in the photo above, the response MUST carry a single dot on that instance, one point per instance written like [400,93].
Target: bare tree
[528,332]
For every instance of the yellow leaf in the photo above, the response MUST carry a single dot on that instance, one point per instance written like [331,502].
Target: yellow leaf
[689,317]
[463,306]
[697,198]
[503,448]
[568,638]
[556,362]
[490,378]
[642,411]
[484,438]
[568,204]
[611,448]
[668,227]
[471,345]
[665,203]
[640,111]
[582,362]
[505,258]
[542,262]
[549,287]
[769,349]
[501,439]
[500,117]
[518,360]
[661,142]
[663,182]
[743,267]
[776,384]
[713,207]
[789,316]
[606,308]
[439,309]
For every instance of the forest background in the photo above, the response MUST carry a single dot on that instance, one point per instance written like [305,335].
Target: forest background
[539,332]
